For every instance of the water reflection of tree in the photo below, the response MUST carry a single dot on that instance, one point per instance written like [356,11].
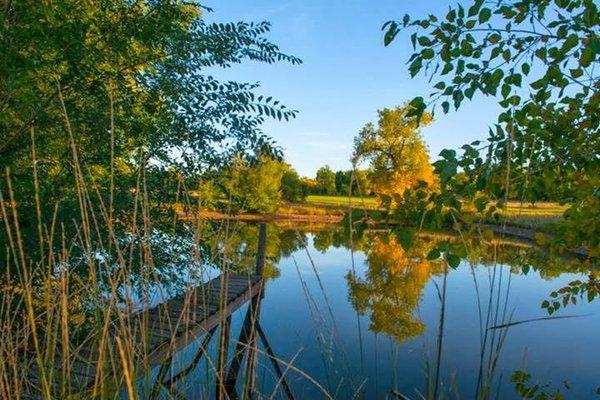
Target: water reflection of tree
[393,286]
[238,246]
[327,238]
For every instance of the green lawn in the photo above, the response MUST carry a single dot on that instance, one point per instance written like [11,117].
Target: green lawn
[534,217]
[365,202]
[543,208]
[522,215]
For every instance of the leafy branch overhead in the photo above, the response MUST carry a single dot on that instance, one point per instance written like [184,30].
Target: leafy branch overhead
[497,47]
[137,74]
[540,60]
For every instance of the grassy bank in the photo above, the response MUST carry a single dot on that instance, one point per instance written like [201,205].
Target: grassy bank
[524,215]
[331,209]
[370,203]
[535,216]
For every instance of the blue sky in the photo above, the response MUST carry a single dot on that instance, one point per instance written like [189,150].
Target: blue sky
[346,76]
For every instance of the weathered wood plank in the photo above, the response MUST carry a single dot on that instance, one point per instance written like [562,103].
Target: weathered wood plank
[165,329]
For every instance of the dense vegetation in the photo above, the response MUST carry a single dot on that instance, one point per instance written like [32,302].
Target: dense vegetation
[539,58]
[111,123]
[103,90]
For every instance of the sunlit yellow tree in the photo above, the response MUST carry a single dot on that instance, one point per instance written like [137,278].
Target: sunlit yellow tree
[395,149]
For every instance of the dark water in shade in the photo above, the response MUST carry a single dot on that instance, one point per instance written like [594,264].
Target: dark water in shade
[367,333]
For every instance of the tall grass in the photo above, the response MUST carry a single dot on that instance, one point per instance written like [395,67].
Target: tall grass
[72,318]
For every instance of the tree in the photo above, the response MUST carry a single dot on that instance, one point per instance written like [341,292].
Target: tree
[540,58]
[293,188]
[361,185]
[326,180]
[124,82]
[254,187]
[393,286]
[342,182]
[397,154]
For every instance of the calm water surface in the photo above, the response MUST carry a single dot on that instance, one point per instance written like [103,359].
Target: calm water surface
[367,323]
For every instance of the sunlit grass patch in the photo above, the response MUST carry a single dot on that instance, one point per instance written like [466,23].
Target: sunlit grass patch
[533,216]
[343,201]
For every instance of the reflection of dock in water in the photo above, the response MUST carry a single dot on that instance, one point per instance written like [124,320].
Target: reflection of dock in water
[159,333]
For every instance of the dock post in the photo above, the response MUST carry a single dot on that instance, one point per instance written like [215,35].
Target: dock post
[260,252]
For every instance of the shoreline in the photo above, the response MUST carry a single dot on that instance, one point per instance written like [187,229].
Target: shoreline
[330,215]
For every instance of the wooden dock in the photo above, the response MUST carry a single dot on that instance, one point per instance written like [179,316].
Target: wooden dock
[155,335]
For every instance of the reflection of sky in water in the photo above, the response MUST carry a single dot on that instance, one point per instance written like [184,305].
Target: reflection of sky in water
[178,263]
[343,354]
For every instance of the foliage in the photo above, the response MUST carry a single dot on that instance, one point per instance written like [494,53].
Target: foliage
[393,287]
[398,156]
[326,180]
[527,391]
[293,188]
[342,181]
[240,246]
[125,82]
[208,194]
[540,58]
[358,178]
[571,293]
[254,187]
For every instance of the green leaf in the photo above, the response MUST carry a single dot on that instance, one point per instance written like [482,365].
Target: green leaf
[405,237]
[451,16]
[555,305]
[494,38]
[447,68]
[448,154]
[480,204]
[453,261]
[474,9]
[540,83]
[427,54]
[445,107]
[541,53]
[417,107]
[545,304]
[424,41]
[568,44]
[434,254]
[466,48]
[415,66]
[576,73]
[525,68]
[391,33]
[587,57]
[444,245]
[484,15]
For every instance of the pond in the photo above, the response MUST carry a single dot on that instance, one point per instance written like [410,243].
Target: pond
[363,318]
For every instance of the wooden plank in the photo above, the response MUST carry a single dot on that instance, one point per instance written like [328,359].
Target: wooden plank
[168,327]
[163,352]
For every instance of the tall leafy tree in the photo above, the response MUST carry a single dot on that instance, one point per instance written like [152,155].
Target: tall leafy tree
[326,180]
[393,286]
[342,182]
[395,149]
[123,82]
[254,187]
[293,188]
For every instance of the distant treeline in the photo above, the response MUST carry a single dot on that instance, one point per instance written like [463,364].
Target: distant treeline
[262,185]
[329,182]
